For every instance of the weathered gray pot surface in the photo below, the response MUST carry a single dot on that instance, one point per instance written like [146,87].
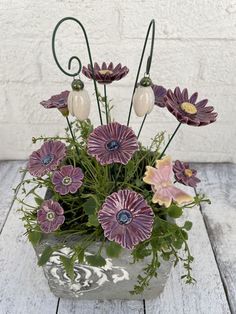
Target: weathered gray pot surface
[113,281]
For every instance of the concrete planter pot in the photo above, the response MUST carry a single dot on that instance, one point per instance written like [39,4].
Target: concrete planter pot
[113,281]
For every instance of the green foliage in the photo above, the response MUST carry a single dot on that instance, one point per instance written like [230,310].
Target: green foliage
[90,206]
[79,250]
[68,263]
[96,260]
[113,249]
[34,236]
[93,221]
[175,211]
[187,225]
[38,200]
[45,255]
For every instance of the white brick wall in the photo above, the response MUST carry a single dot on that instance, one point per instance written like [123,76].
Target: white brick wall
[195,47]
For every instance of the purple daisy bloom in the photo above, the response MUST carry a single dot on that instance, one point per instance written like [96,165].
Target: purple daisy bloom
[107,73]
[126,218]
[50,216]
[68,179]
[47,158]
[160,93]
[112,143]
[184,174]
[58,101]
[187,110]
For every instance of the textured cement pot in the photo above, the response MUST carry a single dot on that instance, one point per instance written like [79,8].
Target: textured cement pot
[113,281]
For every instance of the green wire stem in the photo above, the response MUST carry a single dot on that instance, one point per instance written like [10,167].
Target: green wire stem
[106,104]
[163,152]
[76,58]
[149,62]
[72,135]
[141,127]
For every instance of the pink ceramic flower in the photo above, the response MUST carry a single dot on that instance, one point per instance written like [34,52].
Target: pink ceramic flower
[185,175]
[47,158]
[126,218]
[68,179]
[57,101]
[50,216]
[112,143]
[161,179]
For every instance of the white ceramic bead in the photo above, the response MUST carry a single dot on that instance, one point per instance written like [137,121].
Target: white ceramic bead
[79,104]
[143,100]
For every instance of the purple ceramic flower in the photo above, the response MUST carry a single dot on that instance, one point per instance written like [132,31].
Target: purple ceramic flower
[47,158]
[107,73]
[126,218]
[57,101]
[187,110]
[68,179]
[50,216]
[184,174]
[112,143]
[160,93]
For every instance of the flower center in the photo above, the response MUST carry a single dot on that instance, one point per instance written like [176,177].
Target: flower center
[50,216]
[165,184]
[112,145]
[104,72]
[188,107]
[66,180]
[124,217]
[46,160]
[188,172]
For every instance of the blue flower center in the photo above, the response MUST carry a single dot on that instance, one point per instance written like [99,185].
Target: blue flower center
[124,217]
[46,160]
[112,145]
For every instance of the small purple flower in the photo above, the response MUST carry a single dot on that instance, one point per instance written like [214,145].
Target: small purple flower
[187,110]
[160,93]
[106,74]
[47,158]
[126,218]
[57,101]
[50,216]
[185,175]
[112,143]
[68,179]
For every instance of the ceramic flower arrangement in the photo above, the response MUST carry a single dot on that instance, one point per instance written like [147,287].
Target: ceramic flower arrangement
[105,186]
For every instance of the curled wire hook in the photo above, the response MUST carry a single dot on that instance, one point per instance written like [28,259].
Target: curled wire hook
[149,61]
[76,58]
[79,62]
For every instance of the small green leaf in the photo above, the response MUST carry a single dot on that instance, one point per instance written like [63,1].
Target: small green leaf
[184,234]
[80,253]
[38,200]
[93,221]
[90,206]
[175,211]
[68,263]
[113,249]
[187,225]
[178,244]
[96,260]
[45,255]
[34,237]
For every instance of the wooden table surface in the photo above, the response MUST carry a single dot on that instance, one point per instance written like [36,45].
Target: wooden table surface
[24,289]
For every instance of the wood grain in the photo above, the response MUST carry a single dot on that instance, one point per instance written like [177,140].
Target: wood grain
[207,295]
[24,288]
[219,182]
[9,177]
[100,307]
